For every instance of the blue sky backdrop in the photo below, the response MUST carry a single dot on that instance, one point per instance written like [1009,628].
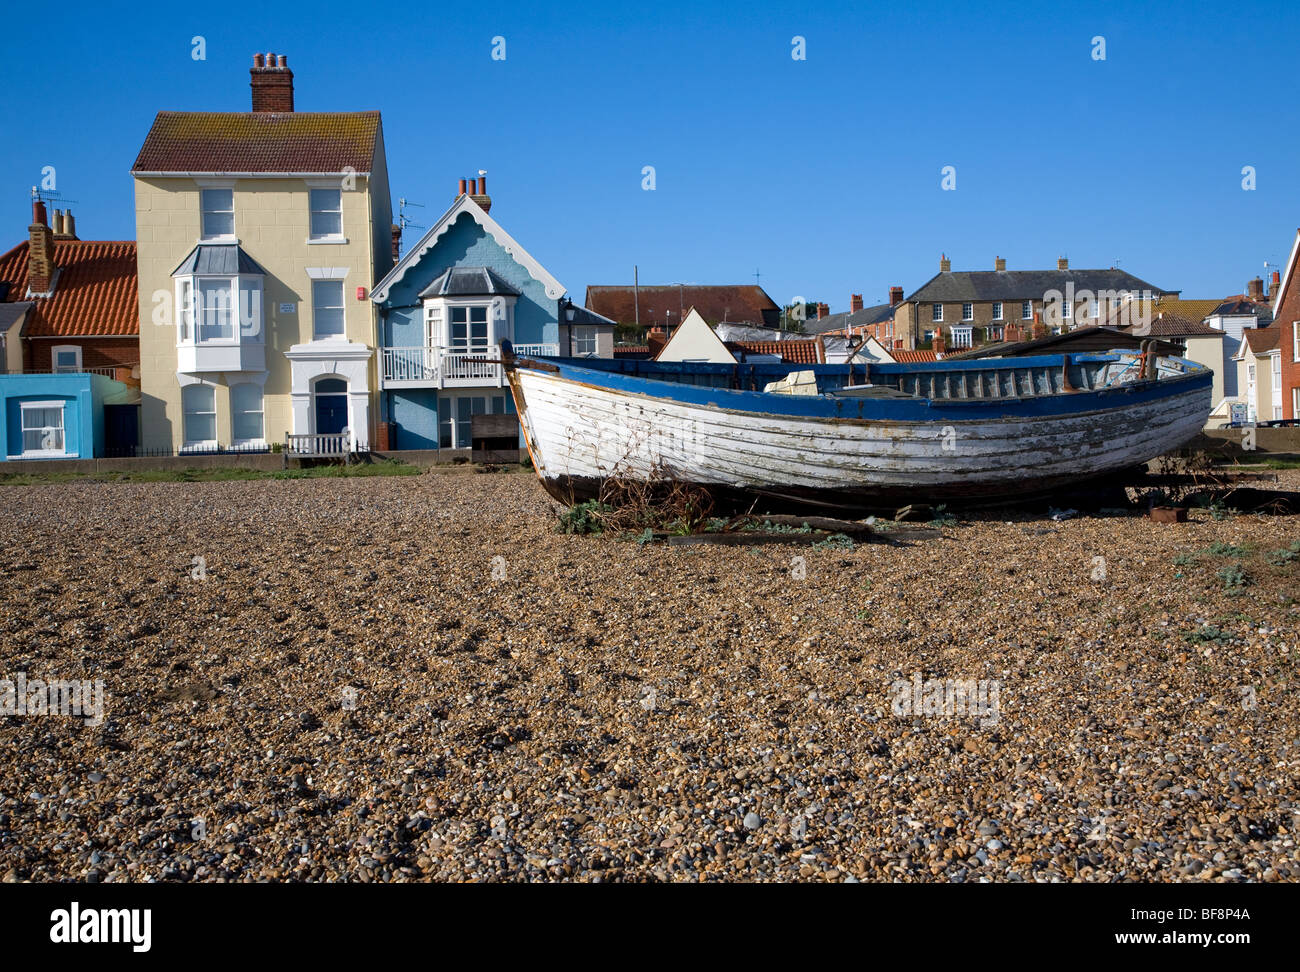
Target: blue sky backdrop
[823,175]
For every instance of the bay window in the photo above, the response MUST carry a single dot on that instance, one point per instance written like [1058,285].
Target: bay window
[199,414]
[219,319]
[246,413]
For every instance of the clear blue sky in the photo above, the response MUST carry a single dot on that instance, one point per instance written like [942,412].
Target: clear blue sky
[823,174]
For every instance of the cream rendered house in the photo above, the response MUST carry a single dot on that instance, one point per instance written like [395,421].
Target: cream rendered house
[1259,373]
[259,237]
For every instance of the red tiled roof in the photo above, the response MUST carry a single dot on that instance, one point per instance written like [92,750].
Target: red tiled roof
[95,292]
[262,141]
[795,352]
[1262,339]
[629,350]
[743,304]
[1174,325]
[912,357]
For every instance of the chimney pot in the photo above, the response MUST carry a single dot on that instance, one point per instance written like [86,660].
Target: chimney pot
[70,224]
[482,185]
[461,189]
[272,83]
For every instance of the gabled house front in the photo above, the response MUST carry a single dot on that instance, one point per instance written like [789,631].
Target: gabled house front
[465,286]
[259,236]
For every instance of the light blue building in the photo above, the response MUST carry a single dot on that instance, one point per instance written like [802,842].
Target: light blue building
[59,416]
[443,309]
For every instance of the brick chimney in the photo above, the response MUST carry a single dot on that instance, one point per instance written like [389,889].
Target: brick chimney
[999,264]
[272,83]
[855,303]
[1255,289]
[40,251]
[895,296]
[481,197]
[945,265]
[937,344]
[1039,329]
[1275,284]
[397,242]
[823,310]
[1062,263]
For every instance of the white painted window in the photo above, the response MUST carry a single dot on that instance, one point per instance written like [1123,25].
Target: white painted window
[185,309]
[199,408]
[936,312]
[326,213]
[246,413]
[1026,310]
[327,308]
[1095,308]
[1067,310]
[65,359]
[218,213]
[997,310]
[468,329]
[968,311]
[584,341]
[42,424]
[962,337]
[216,310]
[433,326]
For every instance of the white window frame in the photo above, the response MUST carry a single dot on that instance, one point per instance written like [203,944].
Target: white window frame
[185,425]
[1067,310]
[968,310]
[583,335]
[204,236]
[962,336]
[62,406]
[260,440]
[468,306]
[189,305]
[343,306]
[1095,307]
[54,358]
[997,310]
[1026,310]
[936,313]
[314,237]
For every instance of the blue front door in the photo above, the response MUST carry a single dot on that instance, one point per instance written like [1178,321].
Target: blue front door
[331,406]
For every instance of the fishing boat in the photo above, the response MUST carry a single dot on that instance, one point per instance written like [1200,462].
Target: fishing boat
[855,437]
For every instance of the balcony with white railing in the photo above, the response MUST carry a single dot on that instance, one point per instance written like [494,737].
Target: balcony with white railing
[437,367]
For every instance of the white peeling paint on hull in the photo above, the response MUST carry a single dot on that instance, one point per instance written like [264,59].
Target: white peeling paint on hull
[580,432]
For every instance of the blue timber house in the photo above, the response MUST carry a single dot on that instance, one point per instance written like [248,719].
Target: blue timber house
[444,308]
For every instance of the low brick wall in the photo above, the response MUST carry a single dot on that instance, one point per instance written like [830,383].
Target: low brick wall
[258,460]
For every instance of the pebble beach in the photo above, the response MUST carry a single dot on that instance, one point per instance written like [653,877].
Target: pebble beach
[419,679]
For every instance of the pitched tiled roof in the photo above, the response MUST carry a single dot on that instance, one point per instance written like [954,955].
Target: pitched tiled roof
[913,357]
[795,352]
[1240,305]
[983,285]
[1168,324]
[1262,339]
[743,304]
[259,141]
[95,292]
[631,350]
[876,314]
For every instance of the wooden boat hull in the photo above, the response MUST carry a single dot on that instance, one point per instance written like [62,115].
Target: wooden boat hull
[584,425]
